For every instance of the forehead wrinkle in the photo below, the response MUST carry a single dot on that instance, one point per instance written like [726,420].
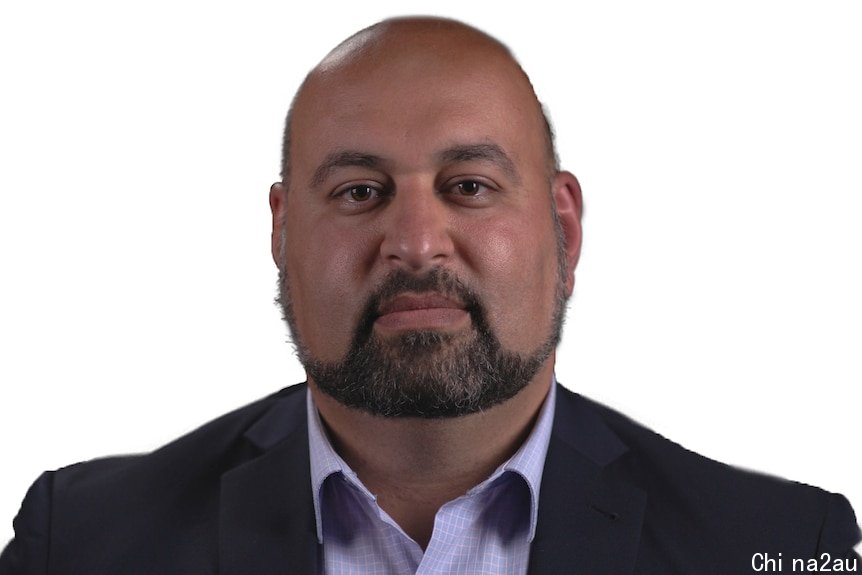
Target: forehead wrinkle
[484,152]
[342,159]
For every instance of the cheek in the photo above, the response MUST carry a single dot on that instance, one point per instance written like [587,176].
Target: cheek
[518,277]
[325,278]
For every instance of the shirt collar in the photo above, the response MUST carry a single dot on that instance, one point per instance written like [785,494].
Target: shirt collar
[323,459]
[528,462]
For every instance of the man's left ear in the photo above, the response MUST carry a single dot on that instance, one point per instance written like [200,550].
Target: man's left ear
[569,205]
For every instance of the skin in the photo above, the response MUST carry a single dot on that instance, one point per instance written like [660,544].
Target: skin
[406,92]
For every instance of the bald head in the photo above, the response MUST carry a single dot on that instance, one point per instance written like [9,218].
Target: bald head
[416,151]
[414,48]
[416,39]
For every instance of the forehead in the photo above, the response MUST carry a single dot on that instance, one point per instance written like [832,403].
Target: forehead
[414,95]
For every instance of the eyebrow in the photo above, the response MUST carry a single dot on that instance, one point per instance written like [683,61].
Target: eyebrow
[491,153]
[343,159]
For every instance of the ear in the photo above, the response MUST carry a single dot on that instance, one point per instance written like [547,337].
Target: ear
[569,206]
[278,205]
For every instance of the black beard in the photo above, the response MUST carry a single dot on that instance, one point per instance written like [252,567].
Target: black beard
[426,374]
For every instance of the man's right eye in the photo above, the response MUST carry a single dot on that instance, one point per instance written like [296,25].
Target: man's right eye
[360,193]
[357,197]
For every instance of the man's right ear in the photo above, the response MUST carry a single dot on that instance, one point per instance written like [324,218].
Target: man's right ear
[278,205]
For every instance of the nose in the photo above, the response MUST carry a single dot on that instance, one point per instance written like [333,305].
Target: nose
[416,233]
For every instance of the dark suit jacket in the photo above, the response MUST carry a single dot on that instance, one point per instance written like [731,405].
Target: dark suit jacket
[234,497]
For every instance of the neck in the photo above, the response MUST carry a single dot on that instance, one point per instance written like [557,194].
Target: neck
[416,465]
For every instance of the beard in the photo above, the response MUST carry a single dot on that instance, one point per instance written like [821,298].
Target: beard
[426,373]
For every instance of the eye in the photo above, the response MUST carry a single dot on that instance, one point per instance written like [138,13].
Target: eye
[469,188]
[469,191]
[360,193]
[358,196]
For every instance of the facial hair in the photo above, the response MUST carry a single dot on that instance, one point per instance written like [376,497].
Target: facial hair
[427,373]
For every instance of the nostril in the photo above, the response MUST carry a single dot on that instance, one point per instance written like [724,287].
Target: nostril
[417,249]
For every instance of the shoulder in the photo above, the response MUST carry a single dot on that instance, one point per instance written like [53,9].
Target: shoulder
[172,493]
[712,505]
[212,448]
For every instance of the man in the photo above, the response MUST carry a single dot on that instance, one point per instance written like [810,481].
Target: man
[426,241]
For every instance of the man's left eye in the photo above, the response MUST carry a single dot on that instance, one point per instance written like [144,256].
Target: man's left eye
[469,187]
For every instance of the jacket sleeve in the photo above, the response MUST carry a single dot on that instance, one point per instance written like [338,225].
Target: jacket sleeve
[839,532]
[27,553]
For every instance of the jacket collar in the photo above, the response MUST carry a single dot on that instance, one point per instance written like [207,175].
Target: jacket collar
[589,520]
[266,517]
[590,517]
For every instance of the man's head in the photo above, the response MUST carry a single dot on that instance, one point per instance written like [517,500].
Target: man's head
[425,239]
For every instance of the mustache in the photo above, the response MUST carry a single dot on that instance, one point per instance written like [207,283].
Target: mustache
[397,282]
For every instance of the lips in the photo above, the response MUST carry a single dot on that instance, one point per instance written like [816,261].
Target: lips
[410,302]
[421,311]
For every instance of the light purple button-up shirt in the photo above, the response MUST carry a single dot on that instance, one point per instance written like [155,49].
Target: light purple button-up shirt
[487,530]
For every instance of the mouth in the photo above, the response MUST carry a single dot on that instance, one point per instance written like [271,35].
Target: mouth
[421,311]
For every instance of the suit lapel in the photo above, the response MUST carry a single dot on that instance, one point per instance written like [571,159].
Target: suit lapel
[589,518]
[266,522]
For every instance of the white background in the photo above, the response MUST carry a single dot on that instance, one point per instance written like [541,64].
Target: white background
[718,147]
